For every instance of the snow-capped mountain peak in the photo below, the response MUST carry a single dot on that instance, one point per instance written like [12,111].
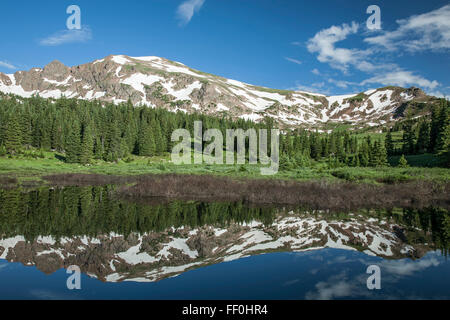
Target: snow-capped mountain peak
[158,82]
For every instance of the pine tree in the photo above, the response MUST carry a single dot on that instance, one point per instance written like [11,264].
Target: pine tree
[25,128]
[332,144]
[373,155]
[434,128]
[325,151]
[114,144]
[297,144]
[12,136]
[346,142]
[130,135]
[87,145]
[98,148]
[160,142]
[381,155]
[408,139]
[340,152]
[389,144]
[423,139]
[442,132]
[316,146]
[73,144]
[146,141]
[283,146]
[364,154]
[42,132]
[57,137]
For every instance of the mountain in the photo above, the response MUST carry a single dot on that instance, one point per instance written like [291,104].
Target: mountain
[158,82]
[154,256]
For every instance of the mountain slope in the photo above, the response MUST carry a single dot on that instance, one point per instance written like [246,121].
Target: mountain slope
[157,82]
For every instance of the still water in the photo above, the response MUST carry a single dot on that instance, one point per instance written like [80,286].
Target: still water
[156,249]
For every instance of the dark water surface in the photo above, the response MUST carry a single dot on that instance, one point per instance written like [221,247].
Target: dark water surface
[196,250]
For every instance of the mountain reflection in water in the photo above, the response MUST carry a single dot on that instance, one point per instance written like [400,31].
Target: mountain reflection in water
[115,240]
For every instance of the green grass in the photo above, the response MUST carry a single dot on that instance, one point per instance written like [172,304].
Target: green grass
[392,174]
[27,170]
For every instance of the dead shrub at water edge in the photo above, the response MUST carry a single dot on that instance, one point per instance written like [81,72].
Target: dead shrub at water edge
[320,195]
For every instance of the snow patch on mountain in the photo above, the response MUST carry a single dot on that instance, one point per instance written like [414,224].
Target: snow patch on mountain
[182,94]
[139,80]
[120,60]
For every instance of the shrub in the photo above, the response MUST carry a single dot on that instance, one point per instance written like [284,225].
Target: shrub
[403,163]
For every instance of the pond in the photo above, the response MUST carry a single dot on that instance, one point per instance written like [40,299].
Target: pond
[170,249]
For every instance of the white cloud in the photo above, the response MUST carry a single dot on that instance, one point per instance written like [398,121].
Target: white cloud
[186,10]
[68,36]
[293,60]
[7,65]
[428,31]
[407,267]
[324,42]
[401,78]
[315,71]
[338,286]
[328,291]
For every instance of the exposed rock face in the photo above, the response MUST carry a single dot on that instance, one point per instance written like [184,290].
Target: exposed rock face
[158,255]
[155,81]
[55,70]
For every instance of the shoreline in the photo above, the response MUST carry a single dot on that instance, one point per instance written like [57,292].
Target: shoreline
[313,194]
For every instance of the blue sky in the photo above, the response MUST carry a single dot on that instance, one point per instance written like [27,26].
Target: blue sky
[319,46]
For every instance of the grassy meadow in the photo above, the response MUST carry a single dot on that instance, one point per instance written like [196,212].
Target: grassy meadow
[30,166]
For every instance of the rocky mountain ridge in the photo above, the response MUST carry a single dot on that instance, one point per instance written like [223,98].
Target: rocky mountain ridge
[158,82]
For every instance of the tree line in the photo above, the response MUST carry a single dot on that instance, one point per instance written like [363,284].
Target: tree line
[340,148]
[87,130]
